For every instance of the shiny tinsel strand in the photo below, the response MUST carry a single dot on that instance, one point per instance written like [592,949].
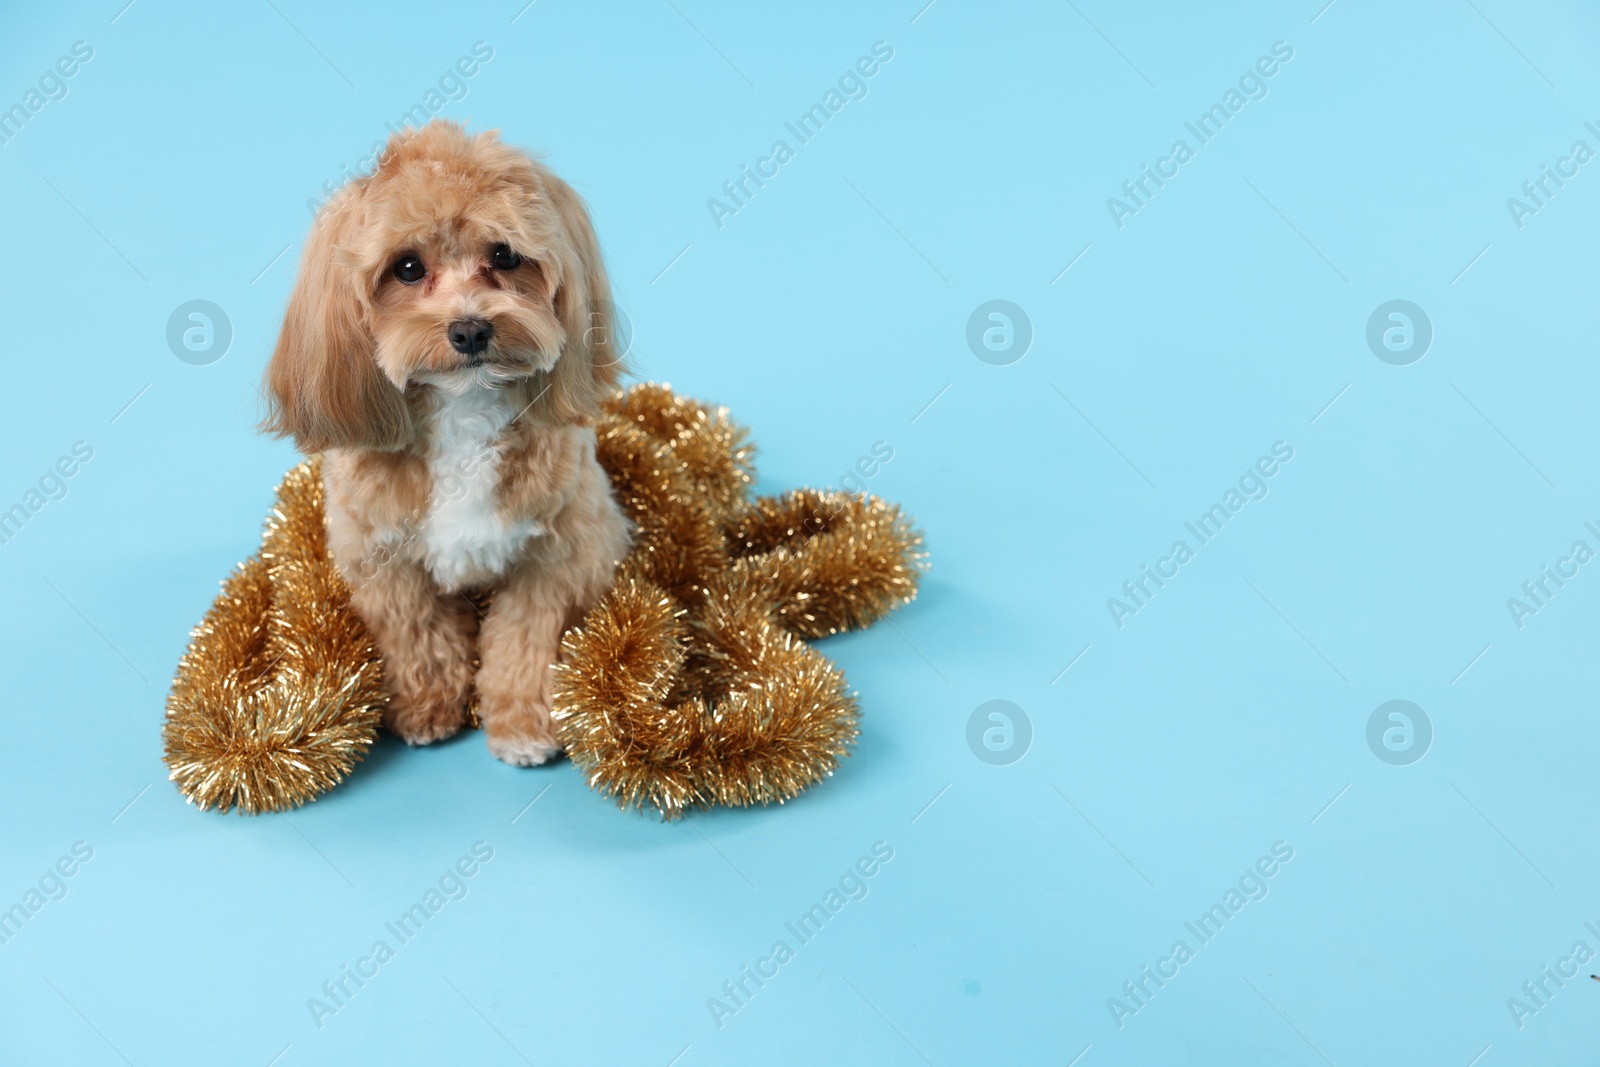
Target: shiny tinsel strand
[831,561]
[281,690]
[769,717]
[677,543]
[713,450]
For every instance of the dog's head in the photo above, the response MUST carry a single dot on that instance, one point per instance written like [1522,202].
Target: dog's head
[458,263]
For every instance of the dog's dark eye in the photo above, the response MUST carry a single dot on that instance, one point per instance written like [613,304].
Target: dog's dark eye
[410,270]
[504,259]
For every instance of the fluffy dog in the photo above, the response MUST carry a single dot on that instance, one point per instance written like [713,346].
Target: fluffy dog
[446,347]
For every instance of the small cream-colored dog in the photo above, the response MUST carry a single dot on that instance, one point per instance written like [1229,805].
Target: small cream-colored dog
[447,347]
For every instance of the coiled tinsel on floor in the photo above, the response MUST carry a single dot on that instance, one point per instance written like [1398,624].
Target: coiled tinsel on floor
[689,684]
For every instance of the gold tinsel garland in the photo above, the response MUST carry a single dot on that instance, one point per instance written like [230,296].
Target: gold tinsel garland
[687,685]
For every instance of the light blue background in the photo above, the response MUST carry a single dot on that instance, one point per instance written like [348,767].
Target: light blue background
[828,313]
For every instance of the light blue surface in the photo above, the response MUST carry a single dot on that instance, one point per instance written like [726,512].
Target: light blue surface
[830,313]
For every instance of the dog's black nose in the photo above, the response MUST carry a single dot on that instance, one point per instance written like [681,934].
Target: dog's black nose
[470,336]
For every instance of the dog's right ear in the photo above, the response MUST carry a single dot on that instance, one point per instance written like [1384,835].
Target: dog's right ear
[323,385]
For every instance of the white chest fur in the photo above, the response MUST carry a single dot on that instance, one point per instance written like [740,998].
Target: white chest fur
[465,540]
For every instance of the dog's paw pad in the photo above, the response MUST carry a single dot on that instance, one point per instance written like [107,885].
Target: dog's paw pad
[522,751]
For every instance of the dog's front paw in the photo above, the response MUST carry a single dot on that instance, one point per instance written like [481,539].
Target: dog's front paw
[419,723]
[522,749]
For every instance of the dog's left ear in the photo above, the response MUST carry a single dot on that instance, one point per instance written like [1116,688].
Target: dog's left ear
[591,364]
